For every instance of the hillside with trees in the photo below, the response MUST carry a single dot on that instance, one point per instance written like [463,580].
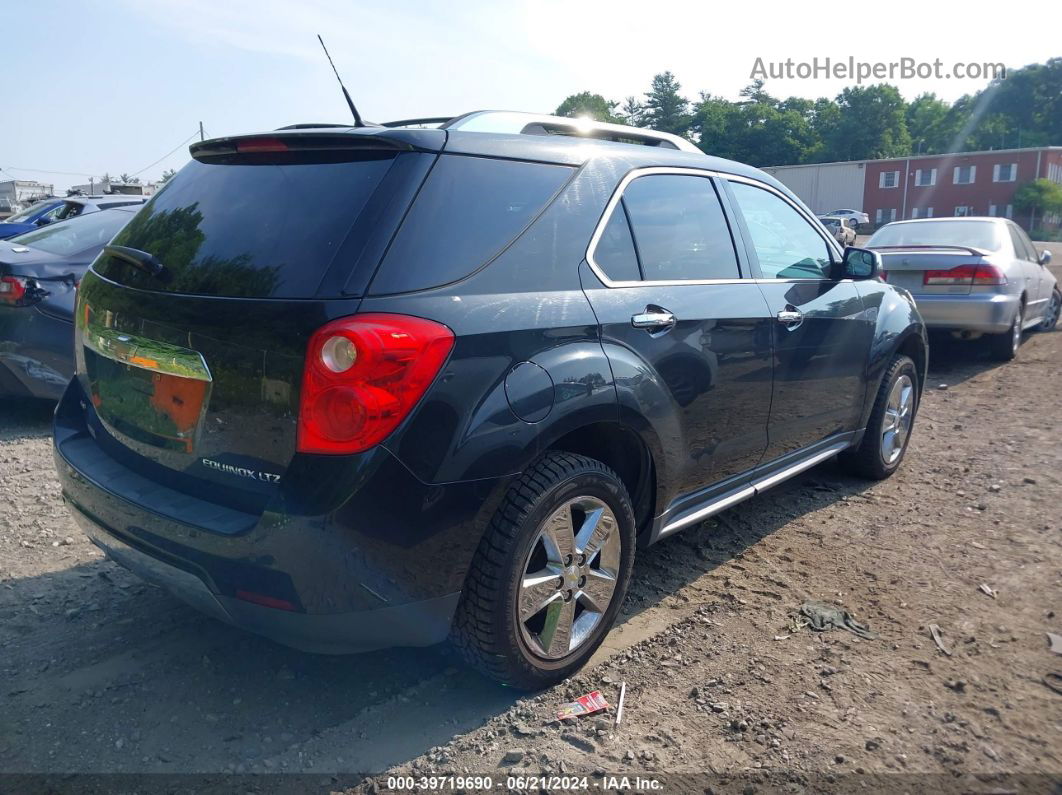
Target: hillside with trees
[862,122]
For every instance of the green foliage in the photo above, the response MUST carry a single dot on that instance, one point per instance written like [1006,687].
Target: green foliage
[590,105]
[167,175]
[666,109]
[862,122]
[1039,196]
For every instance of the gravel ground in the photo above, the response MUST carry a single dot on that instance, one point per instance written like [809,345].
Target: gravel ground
[101,673]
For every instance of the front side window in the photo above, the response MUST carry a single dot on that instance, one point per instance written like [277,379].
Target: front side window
[787,246]
[680,231]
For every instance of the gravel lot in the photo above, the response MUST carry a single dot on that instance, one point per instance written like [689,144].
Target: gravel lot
[101,673]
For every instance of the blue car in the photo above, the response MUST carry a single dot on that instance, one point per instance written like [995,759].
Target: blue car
[39,273]
[49,211]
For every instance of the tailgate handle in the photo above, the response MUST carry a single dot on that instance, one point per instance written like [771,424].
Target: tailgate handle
[148,263]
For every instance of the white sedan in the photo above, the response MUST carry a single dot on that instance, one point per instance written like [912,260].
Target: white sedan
[856,217]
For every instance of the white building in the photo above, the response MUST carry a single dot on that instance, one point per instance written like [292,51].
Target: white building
[107,186]
[18,194]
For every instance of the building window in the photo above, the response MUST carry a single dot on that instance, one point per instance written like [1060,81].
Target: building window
[929,212]
[964,175]
[884,216]
[1010,211]
[964,210]
[914,212]
[992,210]
[889,179]
[925,177]
[1004,172]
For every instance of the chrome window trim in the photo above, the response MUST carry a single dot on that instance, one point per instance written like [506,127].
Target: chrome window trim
[628,178]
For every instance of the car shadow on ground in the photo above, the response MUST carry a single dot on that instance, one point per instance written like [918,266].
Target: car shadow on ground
[25,418]
[161,688]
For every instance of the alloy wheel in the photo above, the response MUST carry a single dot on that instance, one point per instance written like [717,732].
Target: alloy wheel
[899,414]
[569,577]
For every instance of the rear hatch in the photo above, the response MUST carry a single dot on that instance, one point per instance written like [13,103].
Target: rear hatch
[192,325]
[924,270]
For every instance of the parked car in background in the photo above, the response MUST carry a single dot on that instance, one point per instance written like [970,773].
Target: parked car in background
[856,217]
[39,272]
[50,211]
[842,229]
[972,276]
[499,357]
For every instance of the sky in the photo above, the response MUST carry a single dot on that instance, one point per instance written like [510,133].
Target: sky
[111,86]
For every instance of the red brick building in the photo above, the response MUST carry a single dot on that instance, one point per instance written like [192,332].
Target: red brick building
[967,183]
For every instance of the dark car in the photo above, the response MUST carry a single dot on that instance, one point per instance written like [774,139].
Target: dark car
[49,211]
[39,273]
[360,387]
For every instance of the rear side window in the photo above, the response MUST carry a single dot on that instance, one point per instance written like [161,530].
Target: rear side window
[255,231]
[679,228]
[468,211]
[615,250]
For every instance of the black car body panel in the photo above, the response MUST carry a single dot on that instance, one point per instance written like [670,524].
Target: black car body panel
[178,439]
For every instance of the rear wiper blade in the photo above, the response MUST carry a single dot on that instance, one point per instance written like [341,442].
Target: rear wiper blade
[146,262]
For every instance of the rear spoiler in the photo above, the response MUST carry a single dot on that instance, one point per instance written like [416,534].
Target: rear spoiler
[977,252]
[317,144]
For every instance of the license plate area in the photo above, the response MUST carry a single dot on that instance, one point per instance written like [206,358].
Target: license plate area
[153,392]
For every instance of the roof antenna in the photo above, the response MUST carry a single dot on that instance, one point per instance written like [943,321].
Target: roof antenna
[357,116]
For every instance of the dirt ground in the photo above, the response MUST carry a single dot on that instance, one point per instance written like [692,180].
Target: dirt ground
[102,673]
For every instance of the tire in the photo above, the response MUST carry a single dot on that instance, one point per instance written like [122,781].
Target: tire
[487,631]
[1053,310]
[1004,347]
[870,459]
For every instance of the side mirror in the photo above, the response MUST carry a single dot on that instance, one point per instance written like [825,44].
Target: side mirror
[42,221]
[1045,256]
[861,263]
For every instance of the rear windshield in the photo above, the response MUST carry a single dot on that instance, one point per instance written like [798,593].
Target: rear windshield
[66,238]
[468,211]
[252,231]
[974,234]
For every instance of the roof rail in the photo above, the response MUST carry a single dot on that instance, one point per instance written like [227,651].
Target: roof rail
[514,122]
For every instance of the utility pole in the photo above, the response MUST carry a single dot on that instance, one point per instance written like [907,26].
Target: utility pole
[201,131]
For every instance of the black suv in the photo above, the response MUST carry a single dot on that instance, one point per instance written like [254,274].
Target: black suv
[360,387]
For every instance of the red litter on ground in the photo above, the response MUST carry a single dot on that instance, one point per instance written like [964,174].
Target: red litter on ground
[584,705]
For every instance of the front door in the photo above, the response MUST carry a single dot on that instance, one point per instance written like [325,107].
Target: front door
[821,331]
[665,282]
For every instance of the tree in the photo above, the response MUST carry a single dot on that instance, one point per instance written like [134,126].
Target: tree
[593,106]
[665,109]
[1039,196]
[167,175]
[931,124]
[129,180]
[872,124]
[632,112]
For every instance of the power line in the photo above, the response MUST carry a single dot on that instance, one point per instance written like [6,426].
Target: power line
[94,176]
[182,143]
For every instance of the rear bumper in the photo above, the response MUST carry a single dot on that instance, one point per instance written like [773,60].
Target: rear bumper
[988,313]
[419,623]
[381,566]
[36,353]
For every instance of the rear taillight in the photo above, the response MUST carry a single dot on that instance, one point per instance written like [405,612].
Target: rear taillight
[966,274]
[12,289]
[362,377]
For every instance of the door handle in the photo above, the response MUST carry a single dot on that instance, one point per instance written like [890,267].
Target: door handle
[791,318]
[654,318]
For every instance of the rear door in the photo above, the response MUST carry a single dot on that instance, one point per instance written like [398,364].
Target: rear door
[191,328]
[668,284]
[821,332]
[1025,253]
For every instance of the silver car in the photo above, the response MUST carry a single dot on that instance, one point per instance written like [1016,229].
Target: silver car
[975,277]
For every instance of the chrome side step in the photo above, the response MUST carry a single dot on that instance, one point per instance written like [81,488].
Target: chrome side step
[756,487]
